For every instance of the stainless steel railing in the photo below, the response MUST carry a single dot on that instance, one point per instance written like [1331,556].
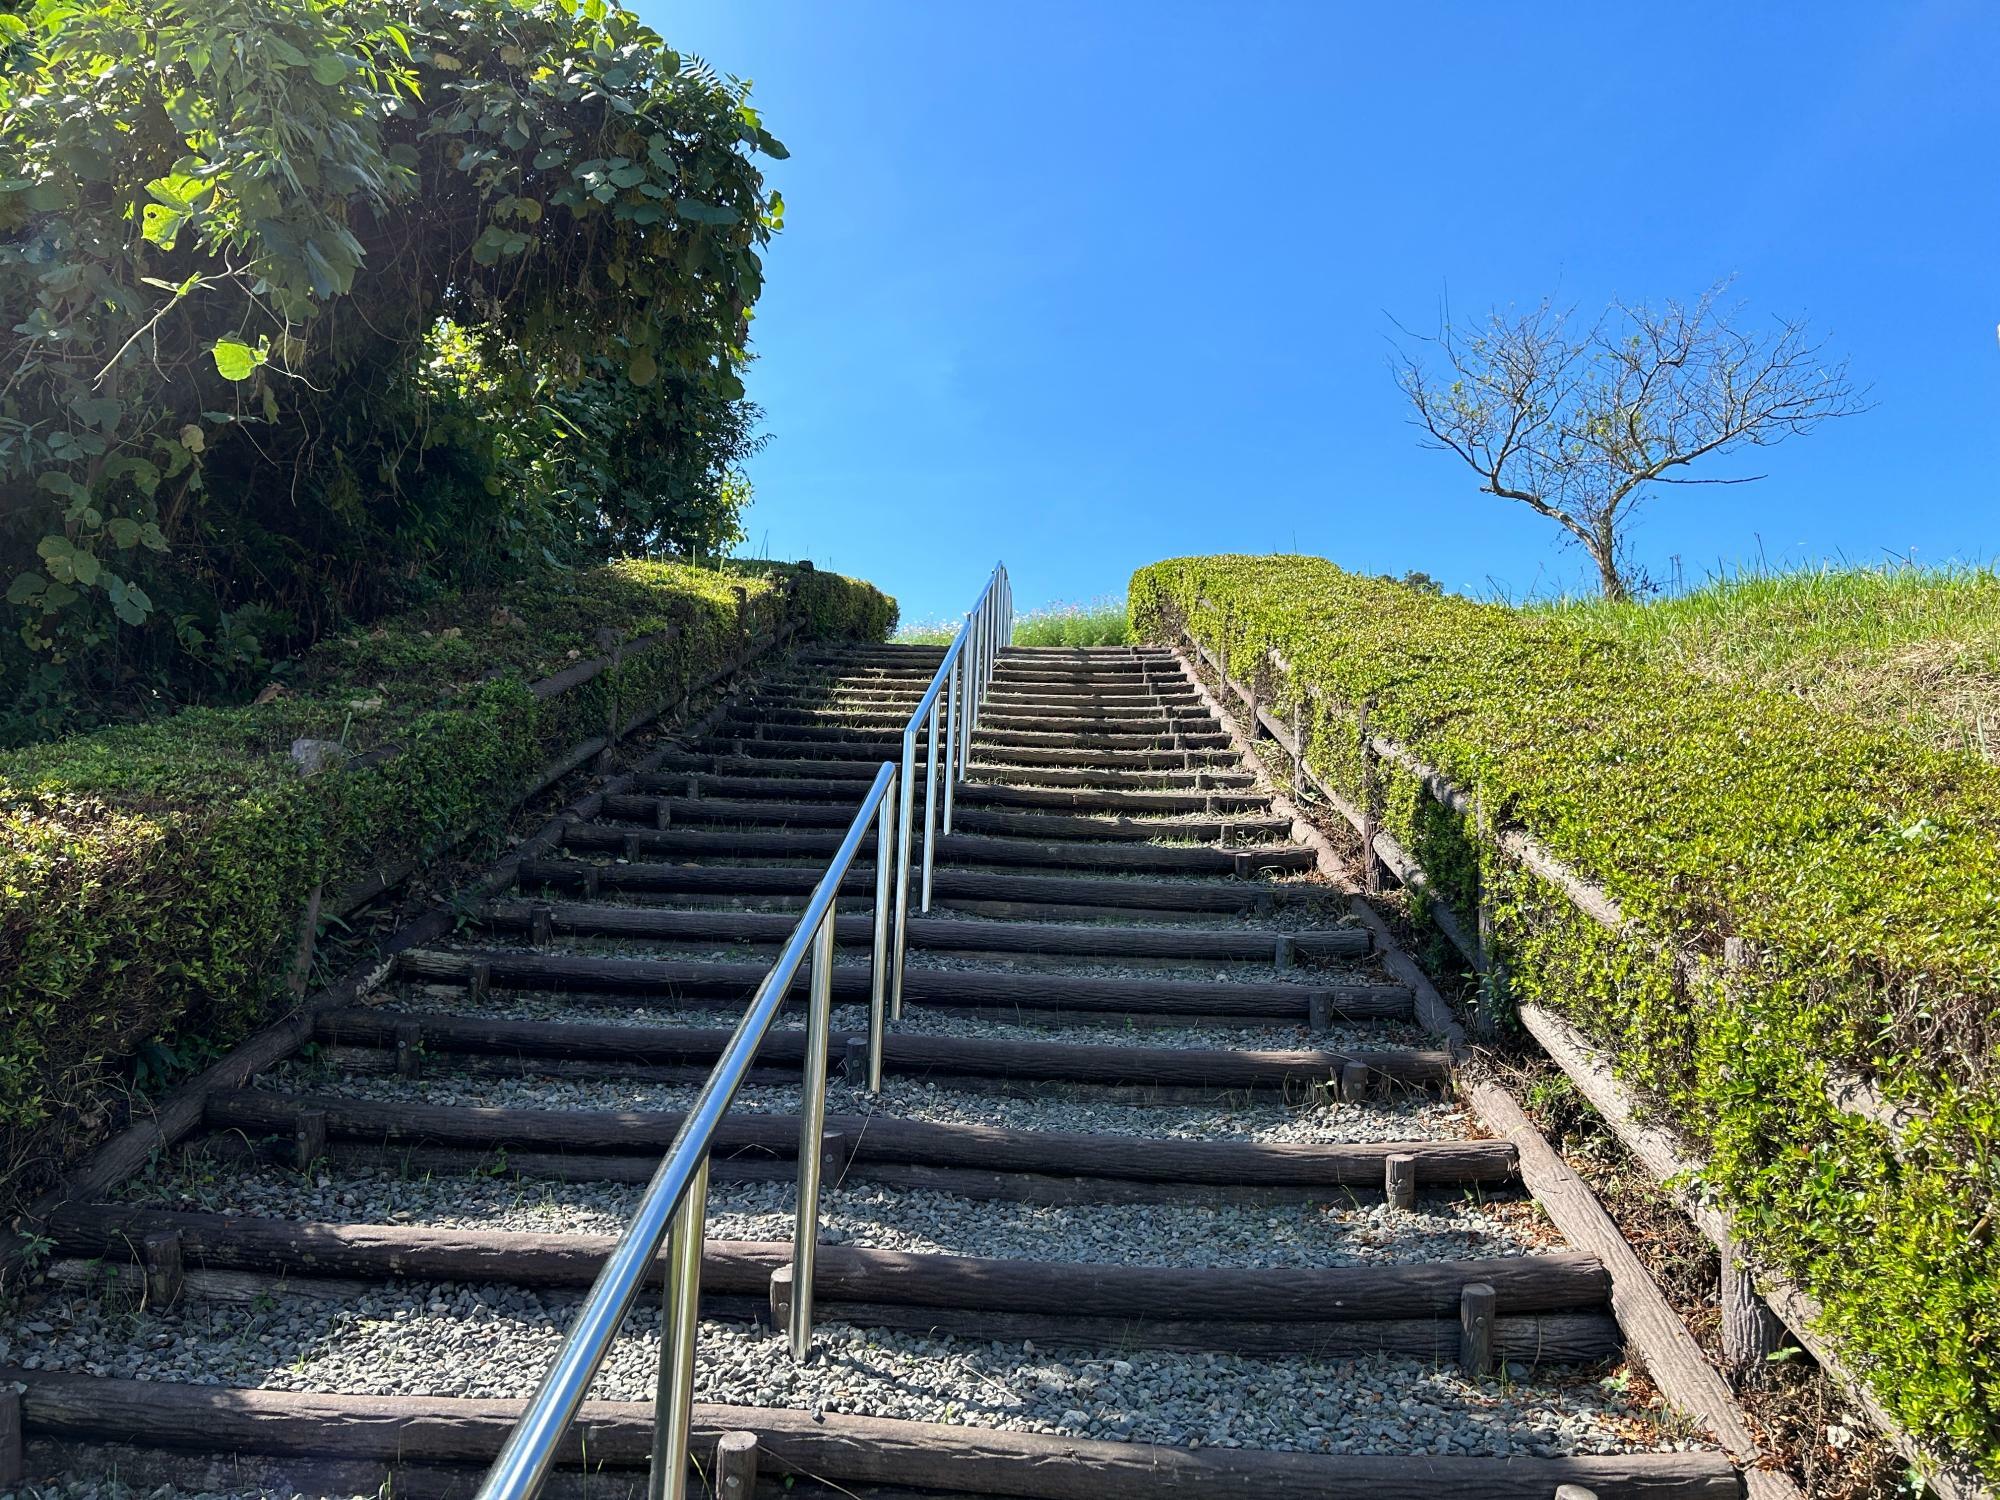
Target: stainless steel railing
[675,1206]
[955,693]
[674,1209]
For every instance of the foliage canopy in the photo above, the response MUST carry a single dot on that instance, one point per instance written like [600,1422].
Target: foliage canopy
[310,304]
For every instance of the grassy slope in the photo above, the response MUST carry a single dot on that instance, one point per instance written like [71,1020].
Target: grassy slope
[1914,647]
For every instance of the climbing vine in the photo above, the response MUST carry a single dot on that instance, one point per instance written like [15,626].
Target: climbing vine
[308,305]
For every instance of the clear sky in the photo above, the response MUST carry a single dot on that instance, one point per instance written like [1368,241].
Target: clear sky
[1088,284]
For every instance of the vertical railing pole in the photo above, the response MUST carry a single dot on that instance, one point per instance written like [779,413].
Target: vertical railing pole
[680,1324]
[907,789]
[812,1135]
[955,711]
[930,809]
[878,985]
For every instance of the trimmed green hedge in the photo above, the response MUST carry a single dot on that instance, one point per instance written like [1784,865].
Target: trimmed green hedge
[1862,871]
[153,878]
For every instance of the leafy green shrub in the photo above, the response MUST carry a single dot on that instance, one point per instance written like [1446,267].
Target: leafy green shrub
[153,878]
[312,304]
[1862,871]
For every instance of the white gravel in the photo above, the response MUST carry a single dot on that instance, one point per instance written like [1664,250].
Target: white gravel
[1358,1231]
[1057,1108]
[452,1339]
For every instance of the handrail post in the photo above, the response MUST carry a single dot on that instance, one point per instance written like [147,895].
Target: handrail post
[956,719]
[680,1325]
[812,1134]
[878,975]
[961,757]
[930,808]
[904,818]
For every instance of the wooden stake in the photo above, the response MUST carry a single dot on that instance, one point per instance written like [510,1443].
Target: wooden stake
[165,1267]
[1399,1181]
[1475,1330]
[735,1476]
[409,1050]
[13,1449]
[1354,1083]
[309,1138]
[541,925]
[1285,954]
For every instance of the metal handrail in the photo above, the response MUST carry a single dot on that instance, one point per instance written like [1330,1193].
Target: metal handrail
[961,680]
[675,1206]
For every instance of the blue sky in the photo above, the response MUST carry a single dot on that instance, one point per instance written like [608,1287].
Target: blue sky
[1085,285]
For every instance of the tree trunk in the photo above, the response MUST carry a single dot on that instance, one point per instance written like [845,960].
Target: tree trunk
[1604,552]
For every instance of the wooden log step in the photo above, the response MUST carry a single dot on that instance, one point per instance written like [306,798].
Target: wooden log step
[970,793]
[1536,1339]
[1179,693]
[863,771]
[939,934]
[790,709]
[828,1447]
[1156,897]
[1129,779]
[869,1141]
[848,729]
[963,849]
[660,980]
[657,811]
[785,742]
[905,1055]
[964,1182]
[1522,1284]
[1072,737]
[1114,799]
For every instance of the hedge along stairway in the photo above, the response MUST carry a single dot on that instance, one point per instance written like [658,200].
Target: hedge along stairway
[1165,1189]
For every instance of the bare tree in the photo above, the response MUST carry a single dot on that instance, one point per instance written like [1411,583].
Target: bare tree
[1579,426]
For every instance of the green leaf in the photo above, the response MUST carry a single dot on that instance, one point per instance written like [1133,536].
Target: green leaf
[626,177]
[644,369]
[234,359]
[101,412]
[26,587]
[697,212]
[328,69]
[58,483]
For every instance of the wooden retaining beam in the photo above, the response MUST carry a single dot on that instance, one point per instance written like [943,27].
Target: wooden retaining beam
[958,849]
[931,934]
[904,1054]
[873,1139]
[1521,1284]
[829,1446]
[661,980]
[1158,897]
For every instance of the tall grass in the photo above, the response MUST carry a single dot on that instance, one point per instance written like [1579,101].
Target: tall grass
[1909,646]
[1101,622]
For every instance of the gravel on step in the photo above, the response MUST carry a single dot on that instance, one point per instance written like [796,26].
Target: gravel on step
[1058,1108]
[1354,1231]
[451,1339]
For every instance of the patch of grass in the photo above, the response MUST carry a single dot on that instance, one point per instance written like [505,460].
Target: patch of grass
[1100,622]
[926,633]
[1912,648]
